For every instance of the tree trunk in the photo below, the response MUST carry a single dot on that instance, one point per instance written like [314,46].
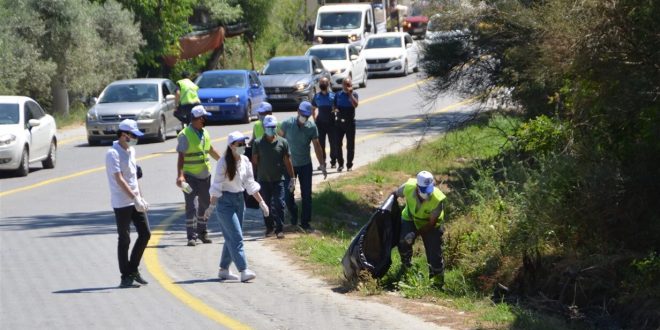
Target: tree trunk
[212,63]
[60,97]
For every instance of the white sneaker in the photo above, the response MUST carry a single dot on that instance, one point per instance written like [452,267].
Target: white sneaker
[247,275]
[225,274]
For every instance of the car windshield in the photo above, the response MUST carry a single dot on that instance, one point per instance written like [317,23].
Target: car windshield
[415,11]
[221,80]
[339,21]
[9,114]
[287,67]
[329,53]
[130,93]
[383,42]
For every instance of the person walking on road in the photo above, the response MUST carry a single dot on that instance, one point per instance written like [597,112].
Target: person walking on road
[346,101]
[194,174]
[323,103]
[264,109]
[233,175]
[271,158]
[128,202]
[423,216]
[186,98]
[299,131]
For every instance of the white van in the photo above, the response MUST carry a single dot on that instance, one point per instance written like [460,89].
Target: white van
[344,23]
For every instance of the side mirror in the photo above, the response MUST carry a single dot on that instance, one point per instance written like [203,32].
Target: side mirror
[368,27]
[95,100]
[354,57]
[169,97]
[318,71]
[34,122]
[409,45]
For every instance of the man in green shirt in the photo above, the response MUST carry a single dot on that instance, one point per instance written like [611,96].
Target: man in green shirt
[270,157]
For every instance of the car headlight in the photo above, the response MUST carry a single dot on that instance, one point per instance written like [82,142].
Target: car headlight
[354,37]
[396,58]
[302,86]
[7,139]
[232,99]
[145,115]
[92,116]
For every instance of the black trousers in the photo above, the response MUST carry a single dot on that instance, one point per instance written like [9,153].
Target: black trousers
[345,127]
[326,129]
[124,216]
[432,244]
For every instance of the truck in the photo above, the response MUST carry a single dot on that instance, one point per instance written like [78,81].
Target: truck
[349,22]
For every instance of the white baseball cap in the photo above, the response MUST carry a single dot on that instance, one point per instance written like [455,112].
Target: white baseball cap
[264,107]
[270,121]
[425,182]
[130,125]
[198,111]
[235,136]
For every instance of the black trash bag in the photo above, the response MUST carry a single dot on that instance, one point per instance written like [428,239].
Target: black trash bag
[250,201]
[371,249]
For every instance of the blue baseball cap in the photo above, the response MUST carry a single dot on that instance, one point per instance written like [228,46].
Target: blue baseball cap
[425,182]
[264,107]
[305,108]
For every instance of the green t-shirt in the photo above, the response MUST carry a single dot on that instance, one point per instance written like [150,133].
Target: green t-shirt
[271,166]
[299,139]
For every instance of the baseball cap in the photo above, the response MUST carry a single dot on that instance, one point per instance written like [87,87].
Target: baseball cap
[425,182]
[198,111]
[305,108]
[235,136]
[270,121]
[264,107]
[130,125]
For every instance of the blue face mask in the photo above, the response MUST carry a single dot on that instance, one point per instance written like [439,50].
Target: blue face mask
[270,131]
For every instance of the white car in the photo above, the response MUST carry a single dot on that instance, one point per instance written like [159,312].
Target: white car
[391,53]
[27,134]
[342,60]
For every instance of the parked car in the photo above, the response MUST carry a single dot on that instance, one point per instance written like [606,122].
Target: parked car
[148,101]
[391,53]
[439,32]
[415,22]
[342,60]
[27,134]
[230,94]
[290,80]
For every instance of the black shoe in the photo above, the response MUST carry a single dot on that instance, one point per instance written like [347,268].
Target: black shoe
[308,229]
[333,165]
[340,168]
[349,169]
[192,242]
[127,282]
[138,278]
[269,232]
[205,238]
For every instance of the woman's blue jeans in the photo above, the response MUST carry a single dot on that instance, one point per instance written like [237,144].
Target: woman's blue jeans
[231,209]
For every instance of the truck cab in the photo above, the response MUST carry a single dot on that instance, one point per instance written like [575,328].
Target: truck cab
[344,23]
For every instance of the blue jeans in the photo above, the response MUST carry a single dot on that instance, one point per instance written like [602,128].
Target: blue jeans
[273,194]
[304,174]
[231,209]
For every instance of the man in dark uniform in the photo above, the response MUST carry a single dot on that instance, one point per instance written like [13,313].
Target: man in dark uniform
[346,101]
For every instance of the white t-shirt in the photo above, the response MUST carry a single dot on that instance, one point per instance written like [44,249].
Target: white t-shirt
[243,180]
[117,159]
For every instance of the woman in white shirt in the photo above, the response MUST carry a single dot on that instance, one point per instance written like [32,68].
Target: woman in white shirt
[233,175]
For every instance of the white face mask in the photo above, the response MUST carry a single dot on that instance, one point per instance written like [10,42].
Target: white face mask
[302,119]
[270,131]
[240,150]
[132,142]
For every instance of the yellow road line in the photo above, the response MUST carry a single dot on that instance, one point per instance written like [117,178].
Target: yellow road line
[156,270]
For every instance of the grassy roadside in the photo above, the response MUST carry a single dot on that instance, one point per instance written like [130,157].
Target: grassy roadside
[342,206]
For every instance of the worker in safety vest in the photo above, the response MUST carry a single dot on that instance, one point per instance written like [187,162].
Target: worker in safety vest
[186,98]
[423,216]
[194,174]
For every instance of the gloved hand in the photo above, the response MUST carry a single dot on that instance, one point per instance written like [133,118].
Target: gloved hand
[140,204]
[264,208]
[292,185]
[324,171]
[409,238]
[209,211]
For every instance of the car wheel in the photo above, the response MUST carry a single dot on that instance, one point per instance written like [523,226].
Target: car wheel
[363,84]
[24,167]
[416,68]
[93,142]
[162,132]
[248,112]
[52,156]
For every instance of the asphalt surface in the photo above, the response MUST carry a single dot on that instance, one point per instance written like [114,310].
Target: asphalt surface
[58,266]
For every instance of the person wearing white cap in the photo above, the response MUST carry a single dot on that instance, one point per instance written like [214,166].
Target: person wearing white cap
[271,159]
[127,201]
[194,174]
[423,216]
[233,175]
[299,131]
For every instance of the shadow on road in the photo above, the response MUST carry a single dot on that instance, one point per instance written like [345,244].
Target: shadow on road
[90,290]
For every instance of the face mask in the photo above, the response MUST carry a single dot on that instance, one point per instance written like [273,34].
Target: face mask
[270,131]
[424,196]
[302,119]
[240,150]
[132,141]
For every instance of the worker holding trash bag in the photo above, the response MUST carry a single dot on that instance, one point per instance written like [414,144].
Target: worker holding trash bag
[422,216]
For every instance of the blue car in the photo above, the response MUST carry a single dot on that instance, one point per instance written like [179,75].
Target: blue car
[230,95]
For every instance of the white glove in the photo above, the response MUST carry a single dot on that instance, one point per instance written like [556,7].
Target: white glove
[292,185]
[324,171]
[140,204]
[264,208]
[409,238]
[209,211]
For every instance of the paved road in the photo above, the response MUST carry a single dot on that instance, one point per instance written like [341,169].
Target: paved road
[58,265]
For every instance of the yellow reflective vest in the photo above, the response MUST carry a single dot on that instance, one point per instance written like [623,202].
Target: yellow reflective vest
[188,92]
[421,212]
[196,158]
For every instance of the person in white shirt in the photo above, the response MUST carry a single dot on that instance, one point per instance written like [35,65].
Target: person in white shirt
[233,175]
[127,201]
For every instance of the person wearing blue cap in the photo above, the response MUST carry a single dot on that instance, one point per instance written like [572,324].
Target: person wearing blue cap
[423,216]
[127,202]
[264,109]
[271,159]
[299,131]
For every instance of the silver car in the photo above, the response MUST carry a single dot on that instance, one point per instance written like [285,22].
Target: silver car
[148,101]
